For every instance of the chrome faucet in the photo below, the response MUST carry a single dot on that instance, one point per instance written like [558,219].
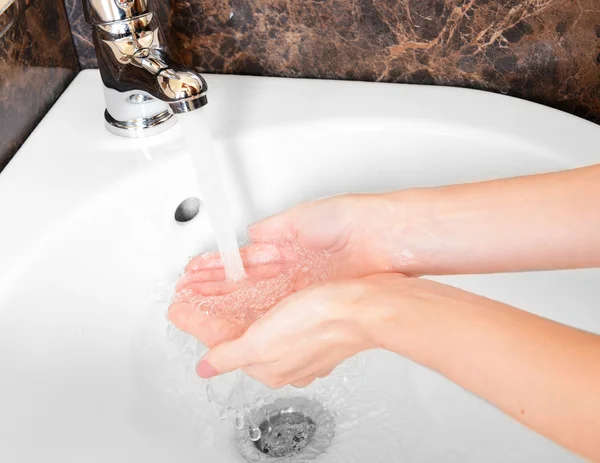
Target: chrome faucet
[143,88]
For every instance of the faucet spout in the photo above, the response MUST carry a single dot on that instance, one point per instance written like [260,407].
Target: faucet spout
[143,87]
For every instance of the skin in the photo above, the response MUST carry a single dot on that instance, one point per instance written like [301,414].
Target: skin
[542,373]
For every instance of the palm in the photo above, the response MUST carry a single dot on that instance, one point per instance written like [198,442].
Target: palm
[307,245]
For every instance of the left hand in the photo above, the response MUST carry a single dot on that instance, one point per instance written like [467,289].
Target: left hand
[307,334]
[215,310]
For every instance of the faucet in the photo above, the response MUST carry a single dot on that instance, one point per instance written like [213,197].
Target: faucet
[143,87]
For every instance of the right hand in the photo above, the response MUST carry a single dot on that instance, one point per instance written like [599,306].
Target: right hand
[350,230]
[353,229]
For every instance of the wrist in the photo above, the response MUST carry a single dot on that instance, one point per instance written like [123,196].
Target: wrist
[413,235]
[379,310]
[423,320]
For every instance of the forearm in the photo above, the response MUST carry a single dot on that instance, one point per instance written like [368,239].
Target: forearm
[540,222]
[544,374]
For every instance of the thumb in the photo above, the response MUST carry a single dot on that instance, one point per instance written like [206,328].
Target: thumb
[275,228]
[223,358]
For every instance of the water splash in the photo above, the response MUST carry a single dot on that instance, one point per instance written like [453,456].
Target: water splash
[254,433]
[363,411]
[218,311]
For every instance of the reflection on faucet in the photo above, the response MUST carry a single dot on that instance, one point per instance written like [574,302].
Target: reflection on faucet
[143,88]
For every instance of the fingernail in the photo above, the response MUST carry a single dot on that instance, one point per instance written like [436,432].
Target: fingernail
[205,370]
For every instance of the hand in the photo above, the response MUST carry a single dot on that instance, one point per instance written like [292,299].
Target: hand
[308,334]
[338,237]
[215,310]
[352,228]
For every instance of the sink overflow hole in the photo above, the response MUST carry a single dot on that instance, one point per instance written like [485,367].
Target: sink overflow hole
[187,210]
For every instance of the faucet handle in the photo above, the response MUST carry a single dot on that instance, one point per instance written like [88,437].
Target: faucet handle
[182,89]
[105,11]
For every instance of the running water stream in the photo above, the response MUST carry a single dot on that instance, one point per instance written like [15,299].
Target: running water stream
[198,139]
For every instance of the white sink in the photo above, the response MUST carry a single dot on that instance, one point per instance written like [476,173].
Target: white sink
[88,235]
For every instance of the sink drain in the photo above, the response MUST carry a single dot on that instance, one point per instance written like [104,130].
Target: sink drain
[288,428]
[285,432]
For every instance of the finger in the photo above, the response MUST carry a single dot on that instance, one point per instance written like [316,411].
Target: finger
[206,275]
[274,228]
[181,314]
[279,373]
[253,254]
[225,357]
[315,368]
[210,329]
[215,283]
[266,374]
[305,382]
[272,376]
[325,373]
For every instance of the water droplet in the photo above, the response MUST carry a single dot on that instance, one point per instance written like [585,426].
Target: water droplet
[259,402]
[254,434]
[228,414]
[239,421]
[210,393]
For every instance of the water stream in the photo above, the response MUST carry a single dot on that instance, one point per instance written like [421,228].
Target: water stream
[198,139]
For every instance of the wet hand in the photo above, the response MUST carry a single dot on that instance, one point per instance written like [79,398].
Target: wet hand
[330,239]
[308,334]
[215,310]
[351,228]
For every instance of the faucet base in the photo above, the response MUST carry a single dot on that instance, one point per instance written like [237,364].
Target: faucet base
[142,127]
[135,114]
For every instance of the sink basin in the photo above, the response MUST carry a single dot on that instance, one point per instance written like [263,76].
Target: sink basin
[89,245]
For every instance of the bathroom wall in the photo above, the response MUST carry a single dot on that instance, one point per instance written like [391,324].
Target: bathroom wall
[542,50]
[37,62]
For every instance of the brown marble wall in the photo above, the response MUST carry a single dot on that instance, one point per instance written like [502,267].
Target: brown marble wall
[542,50]
[37,62]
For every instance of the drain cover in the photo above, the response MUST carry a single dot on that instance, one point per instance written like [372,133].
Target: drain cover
[288,428]
[285,432]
